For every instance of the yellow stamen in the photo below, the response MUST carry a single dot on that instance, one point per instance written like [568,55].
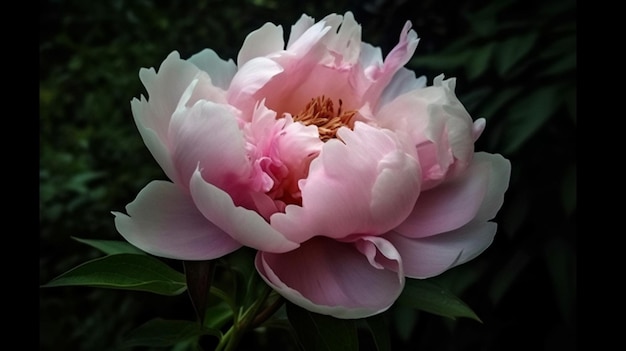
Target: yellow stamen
[321,112]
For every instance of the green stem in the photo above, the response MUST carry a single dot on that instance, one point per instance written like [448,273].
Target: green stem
[233,336]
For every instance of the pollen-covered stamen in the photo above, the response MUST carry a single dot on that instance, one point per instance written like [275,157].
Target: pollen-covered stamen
[320,111]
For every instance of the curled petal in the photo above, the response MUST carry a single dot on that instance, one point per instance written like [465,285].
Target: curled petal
[163,221]
[245,226]
[477,194]
[344,280]
[433,255]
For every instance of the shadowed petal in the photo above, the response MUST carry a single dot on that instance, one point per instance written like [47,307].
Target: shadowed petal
[431,256]
[344,280]
[475,195]
[220,71]
[164,221]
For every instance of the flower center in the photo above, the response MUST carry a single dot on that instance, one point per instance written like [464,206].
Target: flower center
[320,112]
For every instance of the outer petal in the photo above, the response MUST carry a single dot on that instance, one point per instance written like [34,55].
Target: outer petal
[220,71]
[498,184]
[164,89]
[344,280]
[262,42]
[164,222]
[403,82]
[366,186]
[431,256]
[245,226]
[476,194]
[153,116]
[394,61]
[437,124]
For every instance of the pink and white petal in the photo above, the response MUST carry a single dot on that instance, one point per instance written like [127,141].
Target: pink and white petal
[208,134]
[250,78]
[154,143]
[334,278]
[450,205]
[246,226]
[394,61]
[262,42]
[164,90]
[500,173]
[336,204]
[300,47]
[433,255]
[164,221]
[220,71]
[402,82]
[347,40]
[300,27]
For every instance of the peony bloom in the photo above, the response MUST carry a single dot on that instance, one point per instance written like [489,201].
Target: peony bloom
[345,171]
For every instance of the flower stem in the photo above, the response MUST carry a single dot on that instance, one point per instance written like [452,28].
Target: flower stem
[232,337]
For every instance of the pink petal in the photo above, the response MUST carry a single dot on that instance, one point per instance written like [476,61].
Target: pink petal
[344,280]
[246,226]
[366,186]
[480,189]
[157,146]
[433,255]
[220,71]
[251,77]
[163,221]
[262,42]
[448,206]
[208,134]
[498,184]
[394,61]
[402,82]
[153,116]
[299,28]
[164,89]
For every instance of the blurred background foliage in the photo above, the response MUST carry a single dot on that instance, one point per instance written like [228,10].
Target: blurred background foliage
[515,63]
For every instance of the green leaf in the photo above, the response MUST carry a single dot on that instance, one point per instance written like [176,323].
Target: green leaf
[163,333]
[317,332]
[479,61]
[404,321]
[568,189]
[497,101]
[527,115]
[126,272]
[560,257]
[439,61]
[512,50]
[505,278]
[429,297]
[216,316]
[111,247]
[379,327]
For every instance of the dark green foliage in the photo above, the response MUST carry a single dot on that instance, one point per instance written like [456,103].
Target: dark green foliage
[515,65]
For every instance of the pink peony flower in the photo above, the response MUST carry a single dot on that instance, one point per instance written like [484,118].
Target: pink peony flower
[345,171]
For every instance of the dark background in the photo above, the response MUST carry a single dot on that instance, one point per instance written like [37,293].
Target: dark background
[515,63]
